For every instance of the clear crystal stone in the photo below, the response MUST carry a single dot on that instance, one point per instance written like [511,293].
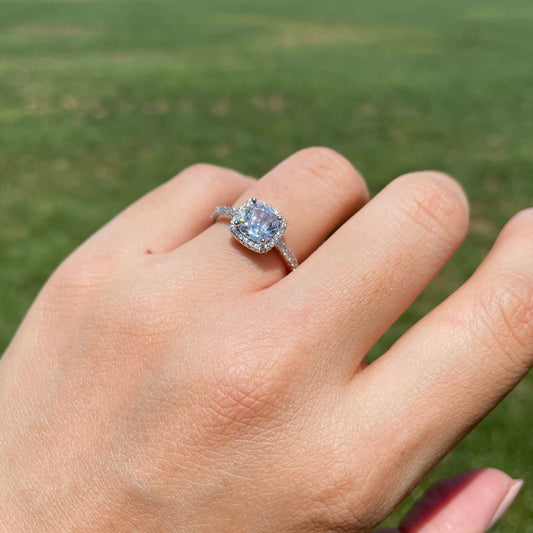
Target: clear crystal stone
[258,222]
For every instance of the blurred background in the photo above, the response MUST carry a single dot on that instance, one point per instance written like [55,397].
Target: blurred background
[102,100]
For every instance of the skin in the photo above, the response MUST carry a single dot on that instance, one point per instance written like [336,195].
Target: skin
[167,379]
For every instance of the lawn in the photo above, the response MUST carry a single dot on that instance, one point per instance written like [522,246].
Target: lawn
[102,100]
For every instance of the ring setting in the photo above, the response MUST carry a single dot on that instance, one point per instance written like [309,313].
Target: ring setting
[258,226]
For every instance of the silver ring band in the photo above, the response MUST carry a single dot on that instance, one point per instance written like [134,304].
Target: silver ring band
[258,226]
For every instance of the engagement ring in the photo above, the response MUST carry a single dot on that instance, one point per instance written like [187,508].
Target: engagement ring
[259,227]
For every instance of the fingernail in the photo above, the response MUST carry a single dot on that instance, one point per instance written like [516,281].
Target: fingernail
[508,499]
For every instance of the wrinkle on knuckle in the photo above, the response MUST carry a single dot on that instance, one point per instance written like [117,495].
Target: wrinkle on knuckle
[434,207]
[331,168]
[506,309]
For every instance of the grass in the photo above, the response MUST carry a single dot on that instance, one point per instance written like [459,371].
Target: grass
[102,100]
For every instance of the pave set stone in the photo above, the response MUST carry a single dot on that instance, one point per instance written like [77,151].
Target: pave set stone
[258,226]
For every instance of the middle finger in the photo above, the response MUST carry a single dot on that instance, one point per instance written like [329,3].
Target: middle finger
[357,284]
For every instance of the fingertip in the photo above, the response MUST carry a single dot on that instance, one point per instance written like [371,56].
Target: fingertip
[509,498]
[525,214]
[522,219]
[492,476]
[518,229]
[468,502]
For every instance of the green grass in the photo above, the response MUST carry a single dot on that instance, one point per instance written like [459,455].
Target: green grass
[102,100]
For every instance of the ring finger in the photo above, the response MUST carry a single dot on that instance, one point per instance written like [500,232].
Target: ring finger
[315,189]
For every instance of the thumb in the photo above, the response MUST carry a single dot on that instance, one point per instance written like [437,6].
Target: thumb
[469,502]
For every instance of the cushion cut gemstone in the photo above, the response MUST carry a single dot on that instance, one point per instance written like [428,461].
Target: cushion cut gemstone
[258,222]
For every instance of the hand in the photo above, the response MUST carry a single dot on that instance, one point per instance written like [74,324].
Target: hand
[168,379]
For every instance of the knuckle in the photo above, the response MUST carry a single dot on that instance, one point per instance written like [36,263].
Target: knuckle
[75,286]
[433,202]
[331,167]
[77,277]
[198,170]
[507,311]
[209,176]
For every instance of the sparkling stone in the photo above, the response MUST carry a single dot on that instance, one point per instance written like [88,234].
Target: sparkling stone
[258,222]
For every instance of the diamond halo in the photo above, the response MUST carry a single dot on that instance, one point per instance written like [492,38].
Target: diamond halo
[259,227]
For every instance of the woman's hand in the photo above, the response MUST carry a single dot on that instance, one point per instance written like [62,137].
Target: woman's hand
[168,379]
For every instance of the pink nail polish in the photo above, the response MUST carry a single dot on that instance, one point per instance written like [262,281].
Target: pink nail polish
[508,499]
